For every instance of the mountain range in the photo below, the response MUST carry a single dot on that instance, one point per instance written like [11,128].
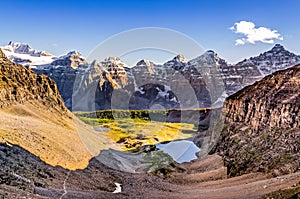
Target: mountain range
[91,86]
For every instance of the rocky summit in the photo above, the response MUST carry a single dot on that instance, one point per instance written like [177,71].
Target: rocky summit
[261,131]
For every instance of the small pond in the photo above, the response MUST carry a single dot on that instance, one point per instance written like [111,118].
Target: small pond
[181,150]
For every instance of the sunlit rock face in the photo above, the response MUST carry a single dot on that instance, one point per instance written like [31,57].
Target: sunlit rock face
[19,84]
[261,131]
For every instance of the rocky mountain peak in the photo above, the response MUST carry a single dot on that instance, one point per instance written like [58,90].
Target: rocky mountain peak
[144,62]
[177,62]
[21,48]
[278,48]
[74,53]
[72,59]
[148,64]
[213,55]
[112,59]
[115,66]
[209,59]
[116,61]
[278,58]
[211,52]
[180,58]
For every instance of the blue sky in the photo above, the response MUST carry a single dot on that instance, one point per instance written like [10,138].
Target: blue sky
[61,26]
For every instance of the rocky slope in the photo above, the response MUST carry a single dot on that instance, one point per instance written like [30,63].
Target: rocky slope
[23,175]
[261,130]
[33,116]
[19,84]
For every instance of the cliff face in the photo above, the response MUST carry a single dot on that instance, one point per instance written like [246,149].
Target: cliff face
[261,130]
[19,84]
[270,103]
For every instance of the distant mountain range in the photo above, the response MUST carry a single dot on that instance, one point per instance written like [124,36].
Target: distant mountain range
[90,86]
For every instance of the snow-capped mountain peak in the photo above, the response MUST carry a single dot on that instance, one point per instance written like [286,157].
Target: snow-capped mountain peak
[144,62]
[24,54]
[20,48]
[73,59]
[74,52]
[213,55]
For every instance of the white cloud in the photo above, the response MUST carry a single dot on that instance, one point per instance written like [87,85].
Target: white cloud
[254,34]
[240,41]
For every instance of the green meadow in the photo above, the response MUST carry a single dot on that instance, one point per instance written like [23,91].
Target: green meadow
[135,128]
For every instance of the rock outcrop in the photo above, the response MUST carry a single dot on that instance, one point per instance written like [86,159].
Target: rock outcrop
[19,84]
[261,131]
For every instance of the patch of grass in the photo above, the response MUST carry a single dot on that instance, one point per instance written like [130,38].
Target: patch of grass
[133,132]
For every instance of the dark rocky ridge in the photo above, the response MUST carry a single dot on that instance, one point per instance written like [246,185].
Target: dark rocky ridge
[261,130]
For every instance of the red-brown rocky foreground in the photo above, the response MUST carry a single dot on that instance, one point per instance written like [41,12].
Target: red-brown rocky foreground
[24,175]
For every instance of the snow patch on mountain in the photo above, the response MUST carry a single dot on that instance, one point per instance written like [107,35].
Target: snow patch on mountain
[23,54]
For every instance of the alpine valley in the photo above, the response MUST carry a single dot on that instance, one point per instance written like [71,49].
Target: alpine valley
[74,129]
